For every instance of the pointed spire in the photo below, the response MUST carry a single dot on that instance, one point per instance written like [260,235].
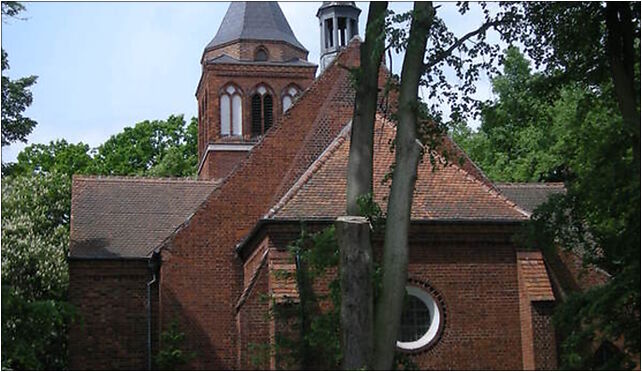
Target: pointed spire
[254,20]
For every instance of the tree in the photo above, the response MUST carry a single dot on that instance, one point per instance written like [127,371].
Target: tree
[58,156]
[35,236]
[590,43]
[11,8]
[141,149]
[16,95]
[408,150]
[592,51]
[517,139]
[410,144]
[353,233]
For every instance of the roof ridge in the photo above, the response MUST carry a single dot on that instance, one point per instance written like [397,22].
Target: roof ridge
[107,178]
[530,184]
[312,170]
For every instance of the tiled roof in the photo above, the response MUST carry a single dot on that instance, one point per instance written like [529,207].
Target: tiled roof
[254,20]
[127,217]
[448,192]
[530,195]
[532,271]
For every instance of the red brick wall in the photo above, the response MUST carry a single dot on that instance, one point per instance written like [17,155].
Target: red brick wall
[473,268]
[254,321]
[245,50]
[202,277]
[247,78]
[477,280]
[219,164]
[110,297]
[544,342]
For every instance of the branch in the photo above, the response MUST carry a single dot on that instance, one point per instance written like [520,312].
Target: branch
[441,56]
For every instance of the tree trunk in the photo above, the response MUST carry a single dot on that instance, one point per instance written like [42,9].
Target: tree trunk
[407,153]
[359,181]
[353,233]
[620,31]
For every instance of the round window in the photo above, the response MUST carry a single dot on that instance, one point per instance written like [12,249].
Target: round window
[419,321]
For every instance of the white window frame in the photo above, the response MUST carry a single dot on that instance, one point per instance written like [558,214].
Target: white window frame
[231,111]
[435,319]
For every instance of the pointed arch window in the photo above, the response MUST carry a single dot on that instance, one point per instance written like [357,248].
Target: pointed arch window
[262,111]
[231,109]
[288,96]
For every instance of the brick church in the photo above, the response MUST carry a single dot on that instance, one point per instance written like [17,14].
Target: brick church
[273,142]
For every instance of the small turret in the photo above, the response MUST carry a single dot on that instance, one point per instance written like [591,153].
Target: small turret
[339,22]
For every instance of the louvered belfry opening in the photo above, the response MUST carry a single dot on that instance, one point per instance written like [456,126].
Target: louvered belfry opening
[267,112]
[256,115]
[262,112]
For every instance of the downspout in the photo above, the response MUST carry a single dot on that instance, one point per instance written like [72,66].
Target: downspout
[153,267]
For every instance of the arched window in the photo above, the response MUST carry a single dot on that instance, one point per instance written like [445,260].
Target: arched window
[288,96]
[231,109]
[261,54]
[262,111]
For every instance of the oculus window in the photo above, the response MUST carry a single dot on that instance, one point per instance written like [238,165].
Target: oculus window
[420,320]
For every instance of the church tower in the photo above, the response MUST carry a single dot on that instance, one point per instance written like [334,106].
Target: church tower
[339,23]
[252,72]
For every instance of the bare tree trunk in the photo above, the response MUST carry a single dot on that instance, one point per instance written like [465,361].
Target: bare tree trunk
[407,153]
[353,233]
[365,108]
[621,53]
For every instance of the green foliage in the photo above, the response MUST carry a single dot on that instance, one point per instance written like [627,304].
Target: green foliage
[11,8]
[33,332]
[518,135]
[546,128]
[320,338]
[58,156]
[16,97]
[159,148]
[369,208]
[259,355]
[35,237]
[172,356]
[601,222]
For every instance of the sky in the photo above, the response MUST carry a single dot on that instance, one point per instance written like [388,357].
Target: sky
[104,66]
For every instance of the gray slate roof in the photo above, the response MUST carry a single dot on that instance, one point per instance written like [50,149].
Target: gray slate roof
[530,195]
[254,20]
[128,217]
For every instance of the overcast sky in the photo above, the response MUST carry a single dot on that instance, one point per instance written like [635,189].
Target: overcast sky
[103,66]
